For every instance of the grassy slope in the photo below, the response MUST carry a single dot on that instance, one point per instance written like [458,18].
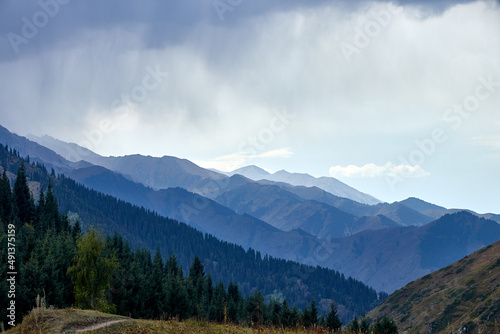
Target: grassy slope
[465,293]
[60,321]
[70,320]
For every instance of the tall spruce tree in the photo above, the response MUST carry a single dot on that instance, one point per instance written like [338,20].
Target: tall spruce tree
[333,322]
[156,298]
[195,285]
[25,206]
[5,198]
[313,313]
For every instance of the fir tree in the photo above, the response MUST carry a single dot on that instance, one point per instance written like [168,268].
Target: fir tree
[314,313]
[5,198]
[235,303]
[255,308]
[384,326]
[354,325]
[25,207]
[176,304]
[156,298]
[364,326]
[333,322]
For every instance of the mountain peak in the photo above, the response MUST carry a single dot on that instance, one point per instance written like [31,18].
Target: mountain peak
[252,172]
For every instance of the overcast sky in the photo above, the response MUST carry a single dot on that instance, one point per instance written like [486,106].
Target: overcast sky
[396,99]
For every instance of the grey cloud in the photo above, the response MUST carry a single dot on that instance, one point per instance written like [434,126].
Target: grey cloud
[164,22]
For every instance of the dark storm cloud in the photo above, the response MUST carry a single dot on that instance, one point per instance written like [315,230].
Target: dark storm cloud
[163,22]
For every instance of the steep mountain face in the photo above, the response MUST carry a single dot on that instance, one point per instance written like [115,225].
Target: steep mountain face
[328,184]
[389,259]
[463,297]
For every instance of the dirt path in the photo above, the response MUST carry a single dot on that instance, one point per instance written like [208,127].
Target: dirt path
[101,325]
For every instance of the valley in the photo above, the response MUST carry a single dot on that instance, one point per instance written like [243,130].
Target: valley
[382,245]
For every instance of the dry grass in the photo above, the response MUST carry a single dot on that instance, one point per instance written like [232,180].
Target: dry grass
[193,326]
[70,320]
[60,321]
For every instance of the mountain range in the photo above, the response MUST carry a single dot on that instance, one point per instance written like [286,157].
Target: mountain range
[301,223]
[131,228]
[328,184]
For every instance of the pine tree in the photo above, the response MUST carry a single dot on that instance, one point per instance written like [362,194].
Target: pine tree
[25,206]
[206,299]
[384,326]
[354,325]
[255,308]
[306,317]
[294,316]
[286,315]
[5,198]
[218,309]
[364,326]
[171,267]
[235,303]
[333,322]
[176,304]
[314,313]
[275,308]
[156,298]
[195,285]
[51,209]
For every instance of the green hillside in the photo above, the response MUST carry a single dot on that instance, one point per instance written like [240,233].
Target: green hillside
[462,297]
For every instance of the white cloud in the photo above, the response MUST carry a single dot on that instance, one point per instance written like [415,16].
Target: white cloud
[280,153]
[490,141]
[372,170]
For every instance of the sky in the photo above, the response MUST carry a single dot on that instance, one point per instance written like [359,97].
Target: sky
[396,99]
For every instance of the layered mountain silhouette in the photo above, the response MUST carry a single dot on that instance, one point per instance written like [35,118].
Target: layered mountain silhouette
[328,184]
[383,245]
[388,259]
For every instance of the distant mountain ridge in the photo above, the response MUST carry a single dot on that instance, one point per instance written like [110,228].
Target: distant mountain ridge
[156,173]
[287,211]
[328,184]
[436,211]
[35,151]
[390,258]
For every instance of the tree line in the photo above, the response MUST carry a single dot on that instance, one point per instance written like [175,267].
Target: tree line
[56,261]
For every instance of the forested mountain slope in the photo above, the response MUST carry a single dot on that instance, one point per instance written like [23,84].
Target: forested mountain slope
[225,261]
